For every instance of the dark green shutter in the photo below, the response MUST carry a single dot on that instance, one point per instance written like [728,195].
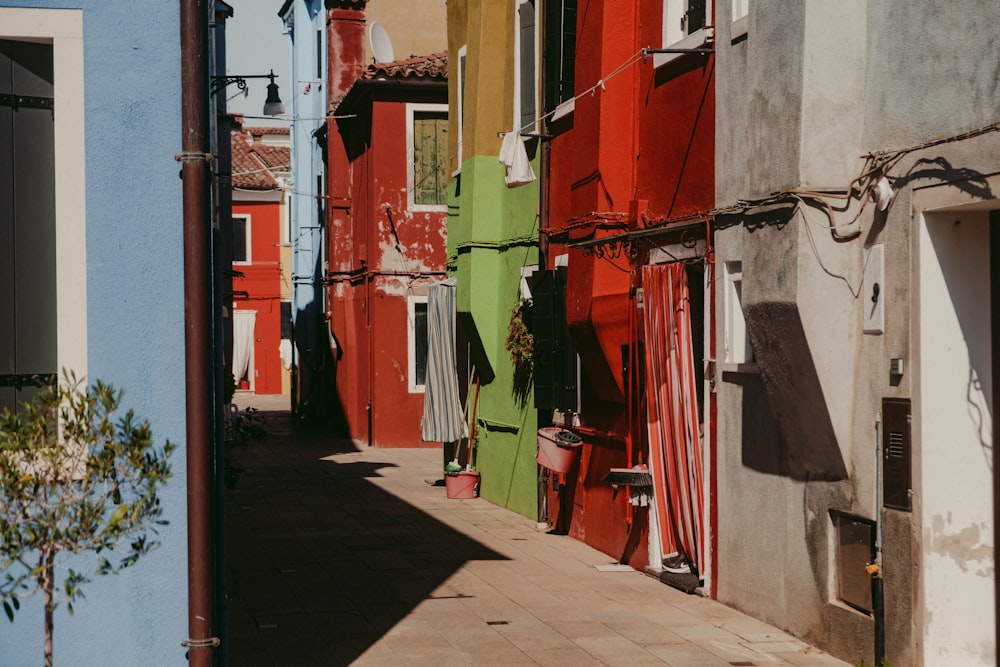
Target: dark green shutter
[430,154]
[554,355]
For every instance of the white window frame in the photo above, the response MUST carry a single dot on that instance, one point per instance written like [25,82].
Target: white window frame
[739,18]
[63,28]
[738,351]
[675,37]
[246,217]
[516,111]
[411,110]
[411,343]
[463,68]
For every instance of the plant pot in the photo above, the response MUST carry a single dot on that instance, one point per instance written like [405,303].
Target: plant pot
[557,448]
[462,484]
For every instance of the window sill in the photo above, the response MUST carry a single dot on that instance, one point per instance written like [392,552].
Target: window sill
[739,28]
[428,208]
[745,368]
[695,40]
[563,110]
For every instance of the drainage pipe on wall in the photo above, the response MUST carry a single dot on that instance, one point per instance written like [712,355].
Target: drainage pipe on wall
[878,599]
[195,173]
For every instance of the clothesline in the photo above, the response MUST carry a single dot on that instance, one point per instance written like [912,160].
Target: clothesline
[631,60]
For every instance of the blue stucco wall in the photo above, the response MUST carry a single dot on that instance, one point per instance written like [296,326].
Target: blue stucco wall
[308,111]
[135,317]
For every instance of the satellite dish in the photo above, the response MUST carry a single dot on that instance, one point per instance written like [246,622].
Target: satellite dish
[381,44]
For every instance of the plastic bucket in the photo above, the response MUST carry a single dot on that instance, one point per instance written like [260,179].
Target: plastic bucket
[557,448]
[462,484]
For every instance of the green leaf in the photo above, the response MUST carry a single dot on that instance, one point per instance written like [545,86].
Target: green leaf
[10,612]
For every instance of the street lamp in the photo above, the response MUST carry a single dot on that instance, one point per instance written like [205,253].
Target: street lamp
[272,105]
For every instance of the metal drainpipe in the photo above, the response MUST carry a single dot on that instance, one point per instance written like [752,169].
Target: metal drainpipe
[195,174]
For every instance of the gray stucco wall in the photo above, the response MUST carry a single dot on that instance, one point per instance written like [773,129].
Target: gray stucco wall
[932,70]
[801,99]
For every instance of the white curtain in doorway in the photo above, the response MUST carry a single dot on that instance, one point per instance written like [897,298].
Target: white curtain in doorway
[243,326]
[443,419]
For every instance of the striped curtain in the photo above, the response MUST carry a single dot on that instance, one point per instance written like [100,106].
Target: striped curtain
[443,419]
[672,409]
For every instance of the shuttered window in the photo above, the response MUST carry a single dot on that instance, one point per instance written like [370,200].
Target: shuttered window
[560,51]
[430,155]
[526,64]
[555,365]
[27,221]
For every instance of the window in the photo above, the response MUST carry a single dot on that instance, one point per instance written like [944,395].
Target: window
[241,239]
[686,25]
[738,348]
[739,18]
[42,200]
[525,66]
[416,320]
[427,155]
[560,52]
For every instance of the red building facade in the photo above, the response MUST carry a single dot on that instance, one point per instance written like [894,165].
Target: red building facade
[630,177]
[261,281]
[387,179]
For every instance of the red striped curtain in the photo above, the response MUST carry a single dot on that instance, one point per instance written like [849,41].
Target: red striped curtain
[672,409]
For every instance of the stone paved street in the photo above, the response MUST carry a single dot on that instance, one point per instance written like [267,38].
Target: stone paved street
[338,556]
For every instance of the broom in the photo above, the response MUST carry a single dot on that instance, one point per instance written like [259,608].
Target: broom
[454,465]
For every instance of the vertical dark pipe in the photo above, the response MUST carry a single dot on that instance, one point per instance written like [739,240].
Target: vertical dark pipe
[197,325]
[878,610]
[995,372]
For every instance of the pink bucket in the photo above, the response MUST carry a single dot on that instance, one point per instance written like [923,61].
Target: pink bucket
[557,448]
[462,484]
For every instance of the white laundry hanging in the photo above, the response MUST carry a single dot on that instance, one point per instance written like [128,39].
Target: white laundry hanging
[514,156]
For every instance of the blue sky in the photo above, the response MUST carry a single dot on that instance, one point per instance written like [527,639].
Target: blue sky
[255,44]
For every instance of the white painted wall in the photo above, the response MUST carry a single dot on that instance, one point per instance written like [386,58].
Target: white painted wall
[955,436]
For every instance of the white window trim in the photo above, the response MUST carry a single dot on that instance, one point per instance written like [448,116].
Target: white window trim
[411,109]
[63,28]
[740,18]
[672,35]
[516,111]
[463,55]
[736,339]
[411,344]
[249,238]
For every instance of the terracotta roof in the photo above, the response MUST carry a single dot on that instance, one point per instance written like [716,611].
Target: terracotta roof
[434,66]
[256,162]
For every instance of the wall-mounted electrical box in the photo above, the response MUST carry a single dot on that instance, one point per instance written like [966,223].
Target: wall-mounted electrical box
[873,290]
[896,454]
[855,549]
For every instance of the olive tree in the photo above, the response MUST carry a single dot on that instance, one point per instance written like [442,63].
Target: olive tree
[75,478]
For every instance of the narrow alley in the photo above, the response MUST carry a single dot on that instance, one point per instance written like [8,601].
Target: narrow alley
[338,556]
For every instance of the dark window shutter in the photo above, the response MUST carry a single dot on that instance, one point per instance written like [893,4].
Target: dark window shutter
[568,51]
[286,320]
[896,470]
[554,354]
[553,52]
[526,17]
[239,239]
[28,289]
[420,343]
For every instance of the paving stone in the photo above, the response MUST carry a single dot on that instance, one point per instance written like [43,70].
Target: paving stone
[341,556]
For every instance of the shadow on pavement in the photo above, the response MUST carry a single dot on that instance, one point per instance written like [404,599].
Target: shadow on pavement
[321,563]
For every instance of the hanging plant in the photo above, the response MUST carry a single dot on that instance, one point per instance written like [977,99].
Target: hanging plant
[520,345]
